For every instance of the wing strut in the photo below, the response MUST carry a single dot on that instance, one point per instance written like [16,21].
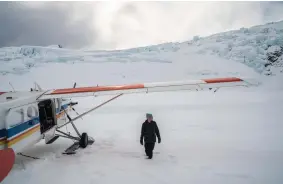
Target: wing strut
[96,107]
[83,139]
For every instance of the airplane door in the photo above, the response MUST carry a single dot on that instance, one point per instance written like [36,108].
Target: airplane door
[47,116]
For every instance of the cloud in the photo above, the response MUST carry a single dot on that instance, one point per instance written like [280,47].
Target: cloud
[142,23]
[117,25]
[43,24]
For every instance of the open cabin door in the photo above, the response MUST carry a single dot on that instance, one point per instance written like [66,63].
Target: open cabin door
[47,118]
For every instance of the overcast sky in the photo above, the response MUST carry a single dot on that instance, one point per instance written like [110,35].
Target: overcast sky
[117,25]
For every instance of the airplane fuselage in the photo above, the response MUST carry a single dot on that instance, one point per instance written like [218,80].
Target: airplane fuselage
[24,120]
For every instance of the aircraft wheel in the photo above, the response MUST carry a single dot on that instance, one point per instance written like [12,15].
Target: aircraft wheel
[84,140]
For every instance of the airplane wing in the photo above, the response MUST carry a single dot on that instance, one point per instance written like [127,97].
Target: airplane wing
[195,85]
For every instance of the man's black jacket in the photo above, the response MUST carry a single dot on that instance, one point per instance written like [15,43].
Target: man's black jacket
[149,131]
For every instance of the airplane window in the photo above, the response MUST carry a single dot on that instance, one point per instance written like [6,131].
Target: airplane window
[15,117]
[32,112]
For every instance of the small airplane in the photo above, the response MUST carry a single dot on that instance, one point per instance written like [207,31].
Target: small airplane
[27,117]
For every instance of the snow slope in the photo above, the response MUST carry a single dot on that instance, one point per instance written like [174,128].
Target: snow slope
[249,46]
[231,136]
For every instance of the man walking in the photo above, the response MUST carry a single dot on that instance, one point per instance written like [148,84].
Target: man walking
[149,131]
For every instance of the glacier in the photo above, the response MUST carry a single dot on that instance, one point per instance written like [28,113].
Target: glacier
[249,46]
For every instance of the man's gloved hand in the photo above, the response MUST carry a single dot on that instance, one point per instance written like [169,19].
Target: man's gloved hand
[141,142]
[159,140]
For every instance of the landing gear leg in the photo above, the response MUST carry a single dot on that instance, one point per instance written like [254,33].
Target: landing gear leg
[81,141]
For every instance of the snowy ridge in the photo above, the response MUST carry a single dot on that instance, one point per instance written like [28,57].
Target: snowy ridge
[250,46]
[19,60]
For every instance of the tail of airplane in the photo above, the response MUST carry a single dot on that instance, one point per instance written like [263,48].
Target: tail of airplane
[7,159]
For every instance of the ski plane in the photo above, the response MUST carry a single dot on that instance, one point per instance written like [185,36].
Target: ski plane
[27,117]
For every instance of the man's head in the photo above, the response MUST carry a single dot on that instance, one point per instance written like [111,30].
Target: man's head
[149,117]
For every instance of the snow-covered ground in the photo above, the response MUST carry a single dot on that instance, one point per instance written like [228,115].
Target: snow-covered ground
[231,136]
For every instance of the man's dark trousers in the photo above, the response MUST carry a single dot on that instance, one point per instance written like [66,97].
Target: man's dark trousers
[149,147]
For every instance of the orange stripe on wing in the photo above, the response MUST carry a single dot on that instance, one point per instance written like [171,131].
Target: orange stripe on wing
[220,80]
[96,89]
